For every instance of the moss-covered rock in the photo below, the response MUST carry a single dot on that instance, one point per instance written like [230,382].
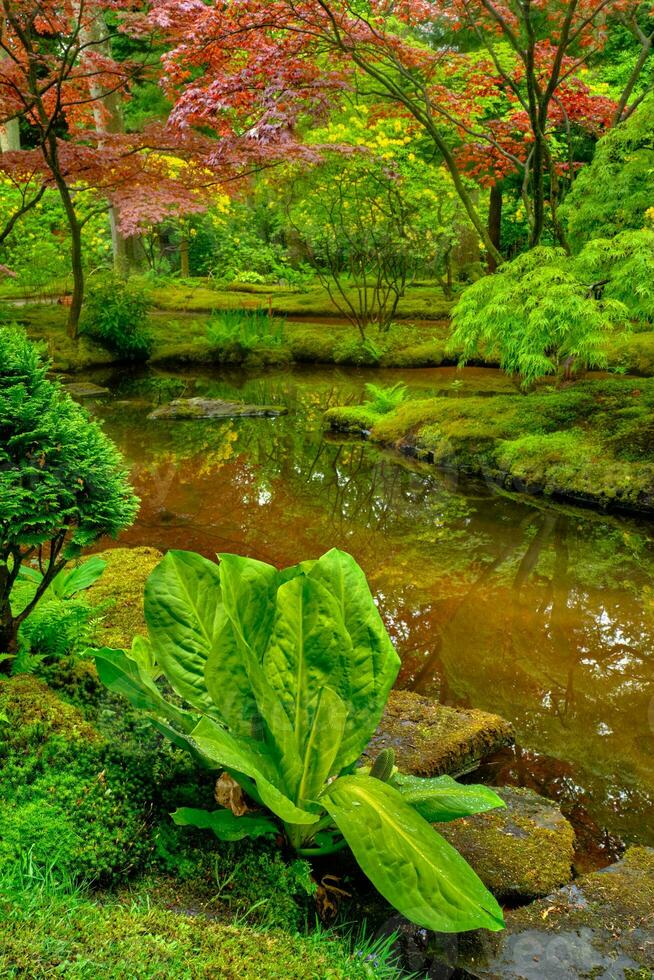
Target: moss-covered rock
[430,739]
[214,408]
[597,928]
[34,714]
[120,594]
[524,851]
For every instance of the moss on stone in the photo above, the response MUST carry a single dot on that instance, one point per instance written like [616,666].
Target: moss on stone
[523,851]
[120,594]
[430,739]
[598,926]
[35,714]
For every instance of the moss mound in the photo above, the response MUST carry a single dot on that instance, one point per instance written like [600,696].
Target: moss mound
[120,594]
[592,442]
[34,714]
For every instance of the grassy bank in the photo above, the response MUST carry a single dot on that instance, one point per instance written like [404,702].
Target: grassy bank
[590,442]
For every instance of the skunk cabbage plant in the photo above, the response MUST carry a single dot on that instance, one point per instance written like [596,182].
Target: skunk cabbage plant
[283,677]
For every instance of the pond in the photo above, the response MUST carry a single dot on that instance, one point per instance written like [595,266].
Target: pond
[541,613]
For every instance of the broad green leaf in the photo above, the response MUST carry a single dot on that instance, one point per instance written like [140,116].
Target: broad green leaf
[321,746]
[184,613]
[80,578]
[412,866]
[303,656]
[143,655]
[442,799]
[248,757]
[248,591]
[233,674]
[368,664]
[225,825]
[30,574]
[123,675]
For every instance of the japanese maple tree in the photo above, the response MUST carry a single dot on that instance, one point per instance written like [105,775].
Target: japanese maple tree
[479,76]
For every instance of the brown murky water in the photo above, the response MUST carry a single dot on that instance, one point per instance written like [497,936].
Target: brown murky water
[541,613]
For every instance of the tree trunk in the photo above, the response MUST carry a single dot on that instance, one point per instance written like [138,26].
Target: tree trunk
[10,137]
[8,636]
[538,192]
[108,117]
[76,255]
[495,223]
[185,267]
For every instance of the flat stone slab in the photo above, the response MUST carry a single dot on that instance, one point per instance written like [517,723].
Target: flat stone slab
[524,851]
[84,389]
[600,926]
[211,408]
[431,739]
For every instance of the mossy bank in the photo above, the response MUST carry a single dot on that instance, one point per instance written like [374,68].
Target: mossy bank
[590,442]
[313,333]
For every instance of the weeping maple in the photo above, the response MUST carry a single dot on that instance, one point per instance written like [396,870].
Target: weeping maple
[487,79]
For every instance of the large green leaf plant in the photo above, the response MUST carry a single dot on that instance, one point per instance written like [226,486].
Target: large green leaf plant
[284,676]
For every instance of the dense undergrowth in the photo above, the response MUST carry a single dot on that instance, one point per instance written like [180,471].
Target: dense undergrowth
[95,874]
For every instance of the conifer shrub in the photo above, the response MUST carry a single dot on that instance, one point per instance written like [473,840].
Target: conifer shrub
[63,484]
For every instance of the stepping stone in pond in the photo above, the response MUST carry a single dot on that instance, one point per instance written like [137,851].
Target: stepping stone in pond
[84,389]
[209,408]
[431,739]
[523,851]
[600,926]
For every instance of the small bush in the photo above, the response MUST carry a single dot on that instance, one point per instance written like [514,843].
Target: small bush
[115,314]
[354,351]
[385,399]
[259,885]
[234,334]
[62,481]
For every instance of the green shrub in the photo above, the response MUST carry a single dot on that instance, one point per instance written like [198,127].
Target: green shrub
[364,353]
[115,314]
[284,676]
[234,334]
[62,481]
[539,315]
[385,399]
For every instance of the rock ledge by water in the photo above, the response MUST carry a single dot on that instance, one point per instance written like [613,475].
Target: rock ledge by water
[525,851]
[430,739]
[212,408]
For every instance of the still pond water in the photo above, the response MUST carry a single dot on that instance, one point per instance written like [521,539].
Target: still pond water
[541,613]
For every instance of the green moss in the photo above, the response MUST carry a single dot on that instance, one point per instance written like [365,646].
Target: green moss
[80,939]
[35,714]
[430,739]
[72,798]
[590,441]
[120,593]
[423,301]
[618,901]
[523,851]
